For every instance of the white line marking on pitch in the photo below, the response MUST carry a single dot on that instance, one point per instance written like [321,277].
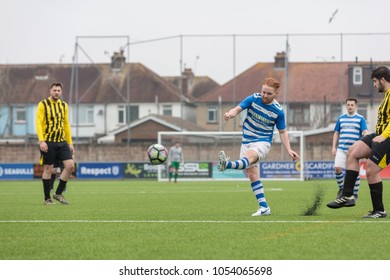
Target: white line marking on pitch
[189,222]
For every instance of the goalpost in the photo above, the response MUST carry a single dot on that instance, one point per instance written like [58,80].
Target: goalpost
[200,152]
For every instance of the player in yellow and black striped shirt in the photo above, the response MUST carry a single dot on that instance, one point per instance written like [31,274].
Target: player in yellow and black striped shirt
[55,140]
[375,147]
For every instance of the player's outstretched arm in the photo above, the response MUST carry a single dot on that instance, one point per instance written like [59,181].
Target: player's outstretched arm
[286,143]
[232,113]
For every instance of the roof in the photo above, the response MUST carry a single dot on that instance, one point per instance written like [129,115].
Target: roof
[307,82]
[173,123]
[147,128]
[193,86]
[96,83]
[203,84]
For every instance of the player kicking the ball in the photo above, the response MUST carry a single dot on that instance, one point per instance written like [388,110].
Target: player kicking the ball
[263,114]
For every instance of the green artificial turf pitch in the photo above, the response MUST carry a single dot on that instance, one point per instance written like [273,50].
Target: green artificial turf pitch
[208,220]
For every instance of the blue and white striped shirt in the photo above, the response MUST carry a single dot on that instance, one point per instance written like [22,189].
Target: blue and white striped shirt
[261,119]
[350,129]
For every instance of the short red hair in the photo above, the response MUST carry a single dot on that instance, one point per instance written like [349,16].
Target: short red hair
[272,82]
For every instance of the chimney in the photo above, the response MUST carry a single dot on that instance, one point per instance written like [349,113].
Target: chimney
[117,61]
[280,60]
[187,81]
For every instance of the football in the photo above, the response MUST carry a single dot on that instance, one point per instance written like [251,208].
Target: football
[157,154]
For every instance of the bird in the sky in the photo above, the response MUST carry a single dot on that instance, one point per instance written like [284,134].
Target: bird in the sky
[333,15]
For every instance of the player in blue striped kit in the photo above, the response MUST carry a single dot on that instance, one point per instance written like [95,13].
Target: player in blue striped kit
[350,127]
[263,114]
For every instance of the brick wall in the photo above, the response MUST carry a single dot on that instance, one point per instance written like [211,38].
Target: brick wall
[84,153]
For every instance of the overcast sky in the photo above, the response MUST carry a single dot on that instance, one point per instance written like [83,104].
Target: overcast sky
[45,31]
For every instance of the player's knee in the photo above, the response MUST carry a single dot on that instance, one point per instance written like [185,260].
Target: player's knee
[372,169]
[253,174]
[68,164]
[351,154]
[47,171]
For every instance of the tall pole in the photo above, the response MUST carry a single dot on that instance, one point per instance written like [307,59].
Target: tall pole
[181,82]
[128,120]
[325,119]
[72,77]
[285,91]
[341,47]
[341,80]
[77,90]
[234,79]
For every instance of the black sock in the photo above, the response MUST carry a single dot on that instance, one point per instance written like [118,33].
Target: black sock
[52,180]
[376,191]
[46,188]
[349,182]
[61,187]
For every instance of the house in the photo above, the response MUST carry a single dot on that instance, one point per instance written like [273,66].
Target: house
[193,86]
[312,94]
[105,98]
[101,97]
[362,88]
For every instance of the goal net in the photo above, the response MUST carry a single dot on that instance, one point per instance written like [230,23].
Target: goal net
[200,152]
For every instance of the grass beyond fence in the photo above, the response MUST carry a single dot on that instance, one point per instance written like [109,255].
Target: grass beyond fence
[147,220]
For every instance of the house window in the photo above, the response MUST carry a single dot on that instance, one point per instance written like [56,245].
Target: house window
[335,112]
[298,114]
[167,110]
[121,114]
[20,114]
[132,113]
[129,113]
[357,75]
[85,114]
[212,114]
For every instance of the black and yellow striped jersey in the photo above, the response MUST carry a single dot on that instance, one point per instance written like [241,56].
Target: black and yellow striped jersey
[52,122]
[382,125]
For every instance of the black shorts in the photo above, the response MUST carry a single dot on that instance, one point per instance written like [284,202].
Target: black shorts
[380,152]
[59,164]
[57,151]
